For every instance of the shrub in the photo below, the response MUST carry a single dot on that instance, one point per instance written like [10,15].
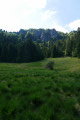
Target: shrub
[50,65]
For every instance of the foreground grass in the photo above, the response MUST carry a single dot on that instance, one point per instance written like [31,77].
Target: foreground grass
[29,91]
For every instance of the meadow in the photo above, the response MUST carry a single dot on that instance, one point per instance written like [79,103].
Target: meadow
[29,91]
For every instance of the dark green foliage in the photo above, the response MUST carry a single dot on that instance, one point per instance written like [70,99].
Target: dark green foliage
[73,44]
[54,52]
[33,45]
[69,47]
[12,53]
[50,65]
[14,48]
[29,52]
[78,44]
[20,52]
[4,54]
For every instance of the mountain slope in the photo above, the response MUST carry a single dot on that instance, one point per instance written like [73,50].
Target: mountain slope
[43,35]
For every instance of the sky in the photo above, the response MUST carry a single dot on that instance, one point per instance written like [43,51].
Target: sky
[62,15]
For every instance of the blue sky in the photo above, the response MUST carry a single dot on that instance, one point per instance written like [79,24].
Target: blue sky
[63,15]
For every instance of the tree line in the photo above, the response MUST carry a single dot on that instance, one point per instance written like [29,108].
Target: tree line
[19,48]
[14,49]
[69,46]
[73,45]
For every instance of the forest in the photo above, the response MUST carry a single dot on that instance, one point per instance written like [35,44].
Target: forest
[37,44]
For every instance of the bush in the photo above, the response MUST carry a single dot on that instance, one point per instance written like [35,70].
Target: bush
[50,65]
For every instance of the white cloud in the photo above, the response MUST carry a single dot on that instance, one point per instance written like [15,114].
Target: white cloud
[13,6]
[17,3]
[48,14]
[16,14]
[67,28]
[36,3]
[74,25]
[60,28]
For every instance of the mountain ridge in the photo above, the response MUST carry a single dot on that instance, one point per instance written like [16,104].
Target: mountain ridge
[43,34]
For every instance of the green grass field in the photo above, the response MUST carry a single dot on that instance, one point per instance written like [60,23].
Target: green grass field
[29,91]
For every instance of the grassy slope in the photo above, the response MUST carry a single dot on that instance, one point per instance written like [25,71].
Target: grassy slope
[29,91]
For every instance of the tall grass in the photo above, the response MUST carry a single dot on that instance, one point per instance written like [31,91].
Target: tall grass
[29,91]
